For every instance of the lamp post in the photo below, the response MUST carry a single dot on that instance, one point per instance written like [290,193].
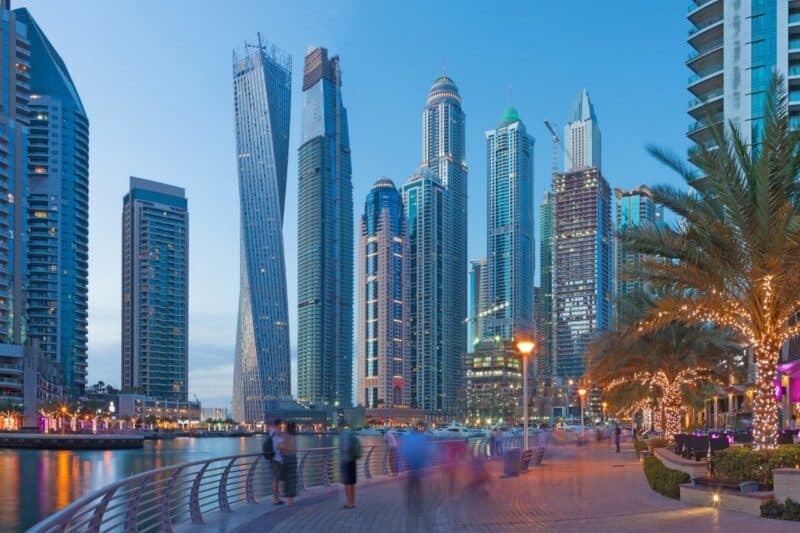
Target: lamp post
[582,393]
[525,348]
[605,404]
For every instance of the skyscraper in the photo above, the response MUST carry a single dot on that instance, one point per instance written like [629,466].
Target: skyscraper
[478,300]
[635,209]
[57,212]
[15,52]
[582,135]
[736,45]
[443,153]
[383,306]
[155,290]
[510,229]
[582,271]
[544,316]
[325,239]
[262,81]
[435,377]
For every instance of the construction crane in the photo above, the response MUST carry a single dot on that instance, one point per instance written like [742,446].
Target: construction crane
[556,142]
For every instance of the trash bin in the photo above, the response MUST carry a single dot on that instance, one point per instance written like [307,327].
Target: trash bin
[511,457]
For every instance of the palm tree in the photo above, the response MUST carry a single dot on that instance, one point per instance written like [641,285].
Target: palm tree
[660,364]
[734,259]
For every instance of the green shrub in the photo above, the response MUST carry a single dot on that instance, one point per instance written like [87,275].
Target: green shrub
[746,464]
[639,446]
[656,442]
[791,510]
[662,479]
[772,509]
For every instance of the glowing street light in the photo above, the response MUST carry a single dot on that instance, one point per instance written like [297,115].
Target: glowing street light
[605,404]
[582,393]
[525,348]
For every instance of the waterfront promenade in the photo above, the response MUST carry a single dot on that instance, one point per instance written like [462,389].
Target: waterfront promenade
[575,489]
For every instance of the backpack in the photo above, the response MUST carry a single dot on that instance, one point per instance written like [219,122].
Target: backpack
[354,448]
[268,448]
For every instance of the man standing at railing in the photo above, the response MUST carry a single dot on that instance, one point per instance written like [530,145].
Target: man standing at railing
[272,453]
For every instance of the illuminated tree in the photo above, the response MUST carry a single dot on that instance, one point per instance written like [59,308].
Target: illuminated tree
[733,260]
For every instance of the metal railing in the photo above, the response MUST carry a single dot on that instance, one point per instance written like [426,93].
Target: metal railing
[161,499]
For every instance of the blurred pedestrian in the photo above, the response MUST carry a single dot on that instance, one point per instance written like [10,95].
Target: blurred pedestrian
[350,452]
[272,453]
[414,449]
[393,446]
[288,449]
[617,435]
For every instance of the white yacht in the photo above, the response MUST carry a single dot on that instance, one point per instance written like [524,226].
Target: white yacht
[453,431]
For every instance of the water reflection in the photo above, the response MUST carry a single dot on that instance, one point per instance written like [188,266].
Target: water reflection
[36,483]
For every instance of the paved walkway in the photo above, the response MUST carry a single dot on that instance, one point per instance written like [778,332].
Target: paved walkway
[576,489]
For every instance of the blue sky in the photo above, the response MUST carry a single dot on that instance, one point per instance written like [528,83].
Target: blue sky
[155,78]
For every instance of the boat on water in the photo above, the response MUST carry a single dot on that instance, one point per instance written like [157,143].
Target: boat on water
[453,431]
[374,432]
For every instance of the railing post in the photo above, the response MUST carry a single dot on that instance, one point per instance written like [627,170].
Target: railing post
[97,516]
[194,497]
[132,515]
[248,487]
[165,521]
[224,506]
[326,467]
[367,473]
[301,470]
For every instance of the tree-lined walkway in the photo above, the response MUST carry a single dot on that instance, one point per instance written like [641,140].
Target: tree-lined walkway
[576,489]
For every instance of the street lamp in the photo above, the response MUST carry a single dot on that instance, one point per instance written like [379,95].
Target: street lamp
[605,404]
[582,393]
[525,348]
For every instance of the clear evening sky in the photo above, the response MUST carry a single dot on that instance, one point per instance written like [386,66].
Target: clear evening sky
[155,78]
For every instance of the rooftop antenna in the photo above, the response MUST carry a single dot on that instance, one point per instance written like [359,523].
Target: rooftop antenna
[444,66]
[260,44]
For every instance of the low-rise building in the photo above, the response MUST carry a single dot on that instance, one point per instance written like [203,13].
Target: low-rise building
[494,382]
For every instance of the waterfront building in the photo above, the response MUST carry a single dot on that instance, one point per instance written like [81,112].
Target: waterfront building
[736,46]
[146,410]
[544,309]
[213,413]
[443,153]
[635,209]
[155,290]
[494,382]
[383,306]
[582,266]
[582,135]
[262,80]
[324,239]
[57,212]
[510,228]
[478,300]
[435,377]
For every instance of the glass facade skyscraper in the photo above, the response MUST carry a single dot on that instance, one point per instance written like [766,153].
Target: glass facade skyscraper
[582,135]
[736,46]
[635,209]
[582,266]
[383,290]
[57,212]
[434,377]
[262,81]
[325,239]
[155,290]
[544,312]
[443,153]
[510,229]
[478,300]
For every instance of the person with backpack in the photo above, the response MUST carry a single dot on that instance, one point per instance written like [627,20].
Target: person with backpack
[288,450]
[350,452]
[272,453]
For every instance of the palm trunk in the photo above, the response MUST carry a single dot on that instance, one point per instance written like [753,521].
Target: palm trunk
[765,406]
[672,412]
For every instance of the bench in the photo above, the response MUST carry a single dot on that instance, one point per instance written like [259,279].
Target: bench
[744,487]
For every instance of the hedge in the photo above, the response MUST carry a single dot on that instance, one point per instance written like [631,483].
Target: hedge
[657,442]
[662,479]
[781,511]
[639,446]
[745,464]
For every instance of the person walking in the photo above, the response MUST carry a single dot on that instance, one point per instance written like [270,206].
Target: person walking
[350,452]
[392,445]
[414,448]
[617,435]
[272,453]
[289,454]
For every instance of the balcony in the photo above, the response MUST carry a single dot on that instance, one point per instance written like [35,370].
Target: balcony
[706,81]
[700,10]
[711,102]
[706,49]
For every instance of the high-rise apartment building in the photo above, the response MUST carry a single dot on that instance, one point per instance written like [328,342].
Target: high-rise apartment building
[325,239]
[582,266]
[736,46]
[443,153]
[155,290]
[510,228]
[544,312]
[57,211]
[494,382]
[262,82]
[635,209]
[582,135]
[383,305]
[478,300]
[435,377]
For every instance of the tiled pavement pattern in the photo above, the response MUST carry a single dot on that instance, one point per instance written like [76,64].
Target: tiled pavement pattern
[589,489]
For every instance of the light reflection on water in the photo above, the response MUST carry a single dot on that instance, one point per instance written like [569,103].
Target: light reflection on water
[36,483]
